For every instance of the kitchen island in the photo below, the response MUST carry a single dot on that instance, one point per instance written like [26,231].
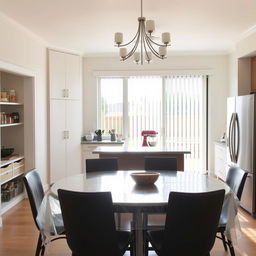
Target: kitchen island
[132,158]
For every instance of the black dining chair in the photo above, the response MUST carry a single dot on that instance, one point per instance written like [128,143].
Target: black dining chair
[35,193]
[101,164]
[191,224]
[90,225]
[160,163]
[236,178]
[153,220]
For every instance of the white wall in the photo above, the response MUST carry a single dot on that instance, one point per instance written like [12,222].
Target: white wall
[218,86]
[20,47]
[233,75]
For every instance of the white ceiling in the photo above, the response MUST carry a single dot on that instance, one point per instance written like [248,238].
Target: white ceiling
[89,26]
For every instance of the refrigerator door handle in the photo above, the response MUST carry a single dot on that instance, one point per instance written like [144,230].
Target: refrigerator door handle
[236,124]
[229,137]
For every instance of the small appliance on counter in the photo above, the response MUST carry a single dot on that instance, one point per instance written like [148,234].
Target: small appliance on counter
[149,138]
[99,133]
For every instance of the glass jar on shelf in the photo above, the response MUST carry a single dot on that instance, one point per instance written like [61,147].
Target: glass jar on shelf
[12,96]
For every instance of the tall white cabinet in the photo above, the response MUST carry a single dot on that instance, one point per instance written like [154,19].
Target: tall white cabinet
[65,114]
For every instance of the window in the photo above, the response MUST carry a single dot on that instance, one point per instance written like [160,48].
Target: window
[110,115]
[174,106]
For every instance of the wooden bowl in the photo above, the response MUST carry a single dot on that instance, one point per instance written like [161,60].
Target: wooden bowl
[145,178]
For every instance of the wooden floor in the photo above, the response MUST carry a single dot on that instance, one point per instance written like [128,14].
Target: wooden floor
[18,236]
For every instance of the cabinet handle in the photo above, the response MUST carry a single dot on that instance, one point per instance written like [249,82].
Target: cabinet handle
[64,135]
[67,93]
[67,135]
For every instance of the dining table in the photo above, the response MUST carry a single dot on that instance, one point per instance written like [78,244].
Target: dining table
[129,197]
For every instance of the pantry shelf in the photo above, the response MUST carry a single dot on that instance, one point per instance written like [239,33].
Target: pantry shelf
[7,125]
[11,103]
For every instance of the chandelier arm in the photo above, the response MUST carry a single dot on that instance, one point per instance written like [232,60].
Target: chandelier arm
[122,45]
[152,49]
[129,54]
[156,43]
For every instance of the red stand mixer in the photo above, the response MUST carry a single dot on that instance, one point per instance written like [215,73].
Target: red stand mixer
[146,134]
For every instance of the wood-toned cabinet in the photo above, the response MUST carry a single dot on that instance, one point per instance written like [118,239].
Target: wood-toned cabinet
[253,74]
[65,115]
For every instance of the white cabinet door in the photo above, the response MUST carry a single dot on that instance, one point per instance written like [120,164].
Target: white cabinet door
[57,140]
[57,74]
[64,75]
[220,152]
[74,128]
[73,76]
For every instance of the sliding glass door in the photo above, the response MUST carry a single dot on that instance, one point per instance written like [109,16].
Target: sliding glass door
[185,117]
[174,106]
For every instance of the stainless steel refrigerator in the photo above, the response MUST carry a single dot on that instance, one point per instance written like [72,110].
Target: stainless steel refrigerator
[241,135]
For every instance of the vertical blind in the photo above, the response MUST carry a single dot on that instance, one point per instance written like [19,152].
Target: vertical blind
[185,117]
[174,106]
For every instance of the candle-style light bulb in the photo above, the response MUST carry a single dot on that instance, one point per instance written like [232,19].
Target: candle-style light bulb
[150,26]
[166,38]
[118,38]
[136,57]
[148,56]
[162,51]
[122,53]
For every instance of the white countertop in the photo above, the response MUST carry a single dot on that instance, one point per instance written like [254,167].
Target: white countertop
[138,150]
[101,142]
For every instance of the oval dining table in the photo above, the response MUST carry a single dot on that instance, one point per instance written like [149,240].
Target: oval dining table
[129,197]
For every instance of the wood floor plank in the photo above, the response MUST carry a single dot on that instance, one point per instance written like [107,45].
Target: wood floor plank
[18,236]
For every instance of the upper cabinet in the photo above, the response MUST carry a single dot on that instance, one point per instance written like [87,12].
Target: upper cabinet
[253,74]
[64,75]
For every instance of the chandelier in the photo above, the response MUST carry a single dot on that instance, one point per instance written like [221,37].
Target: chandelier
[143,38]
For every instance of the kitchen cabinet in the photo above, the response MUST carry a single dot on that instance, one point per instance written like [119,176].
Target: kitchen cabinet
[64,75]
[220,160]
[253,74]
[65,138]
[65,114]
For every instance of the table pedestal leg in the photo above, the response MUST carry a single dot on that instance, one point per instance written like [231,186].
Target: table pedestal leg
[138,226]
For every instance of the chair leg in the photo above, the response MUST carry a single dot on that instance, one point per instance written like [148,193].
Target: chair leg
[224,241]
[39,247]
[231,248]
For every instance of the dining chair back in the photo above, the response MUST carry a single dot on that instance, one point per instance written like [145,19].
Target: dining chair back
[191,224]
[34,190]
[101,164]
[35,193]
[236,178]
[90,225]
[161,163]
[149,216]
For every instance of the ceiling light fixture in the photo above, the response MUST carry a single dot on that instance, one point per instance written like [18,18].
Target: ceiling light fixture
[144,38]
